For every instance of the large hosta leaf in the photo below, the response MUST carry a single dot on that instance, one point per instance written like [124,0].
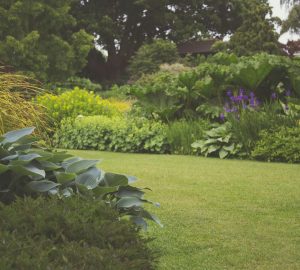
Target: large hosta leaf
[64,178]
[80,166]
[28,170]
[129,191]
[128,202]
[90,178]
[14,136]
[42,186]
[113,179]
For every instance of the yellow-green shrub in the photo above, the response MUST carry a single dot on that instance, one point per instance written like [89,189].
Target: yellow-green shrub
[79,102]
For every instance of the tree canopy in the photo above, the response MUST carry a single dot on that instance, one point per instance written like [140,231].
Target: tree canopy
[41,37]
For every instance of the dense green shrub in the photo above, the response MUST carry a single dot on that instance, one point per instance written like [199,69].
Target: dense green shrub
[112,134]
[181,135]
[31,171]
[282,145]
[149,57]
[218,141]
[77,102]
[247,126]
[70,233]
[71,83]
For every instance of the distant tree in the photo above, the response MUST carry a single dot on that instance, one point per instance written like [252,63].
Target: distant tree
[41,38]
[293,21]
[121,27]
[149,57]
[257,31]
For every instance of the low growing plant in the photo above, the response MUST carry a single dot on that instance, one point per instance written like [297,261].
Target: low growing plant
[283,145]
[69,233]
[181,134]
[117,134]
[31,171]
[218,141]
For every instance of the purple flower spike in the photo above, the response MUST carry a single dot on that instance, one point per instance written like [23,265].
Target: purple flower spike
[229,93]
[252,95]
[273,96]
[222,116]
[288,93]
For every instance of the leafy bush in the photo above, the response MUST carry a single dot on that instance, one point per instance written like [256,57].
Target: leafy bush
[247,125]
[149,57]
[73,82]
[283,145]
[218,141]
[112,134]
[181,134]
[70,233]
[16,109]
[28,171]
[78,102]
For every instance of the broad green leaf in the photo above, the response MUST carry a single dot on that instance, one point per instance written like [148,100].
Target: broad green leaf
[14,136]
[80,166]
[49,166]
[129,191]
[113,179]
[147,215]
[229,148]
[64,178]
[42,186]
[70,161]
[28,170]
[90,178]
[139,221]
[212,148]
[128,202]
[59,156]
[223,153]
[100,191]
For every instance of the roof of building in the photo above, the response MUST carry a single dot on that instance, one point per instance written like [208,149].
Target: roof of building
[203,46]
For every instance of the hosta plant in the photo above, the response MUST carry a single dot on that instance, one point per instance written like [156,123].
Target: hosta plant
[219,142]
[27,170]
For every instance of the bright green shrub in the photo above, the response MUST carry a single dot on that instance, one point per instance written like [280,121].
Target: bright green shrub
[77,102]
[70,233]
[282,145]
[31,171]
[181,135]
[112,134]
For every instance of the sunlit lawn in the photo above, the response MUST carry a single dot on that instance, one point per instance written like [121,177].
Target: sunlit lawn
[218,214]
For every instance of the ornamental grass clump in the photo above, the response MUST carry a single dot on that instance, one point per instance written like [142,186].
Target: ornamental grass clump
[17,110]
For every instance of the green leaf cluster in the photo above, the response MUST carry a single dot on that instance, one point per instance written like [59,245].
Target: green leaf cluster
[282,146]
[69,233]
[118,134]
[218,141]
[29,171]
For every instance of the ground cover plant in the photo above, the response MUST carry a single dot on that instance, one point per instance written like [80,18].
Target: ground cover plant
[29,170]
[118,134]
[218,214]
[69,233]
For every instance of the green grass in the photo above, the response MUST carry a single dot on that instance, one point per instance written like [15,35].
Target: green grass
[218,214]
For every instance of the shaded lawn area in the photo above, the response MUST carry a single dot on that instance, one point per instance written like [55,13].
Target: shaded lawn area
[218,214]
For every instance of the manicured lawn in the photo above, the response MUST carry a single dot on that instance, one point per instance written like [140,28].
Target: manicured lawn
[218,214]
